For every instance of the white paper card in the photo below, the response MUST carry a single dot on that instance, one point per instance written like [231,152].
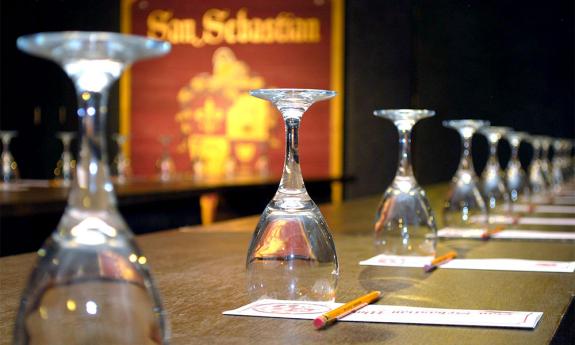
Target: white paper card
[391,314]
[564,200]
[544,208]
[474,264]
[507,234]
[502,219]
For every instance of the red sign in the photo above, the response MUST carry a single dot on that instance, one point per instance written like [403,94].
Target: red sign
[198,94]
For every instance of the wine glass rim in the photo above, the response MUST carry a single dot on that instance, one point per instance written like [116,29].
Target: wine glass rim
[41,42]
[293,90]
[416,112]
[501,130]
[465,122]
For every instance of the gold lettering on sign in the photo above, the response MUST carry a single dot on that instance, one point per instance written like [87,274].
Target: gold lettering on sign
[218,26]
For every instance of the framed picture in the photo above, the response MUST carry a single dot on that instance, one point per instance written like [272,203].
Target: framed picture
[194,103]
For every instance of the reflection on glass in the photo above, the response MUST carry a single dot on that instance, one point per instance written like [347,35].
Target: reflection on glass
[561,163]
[537,180]
[165,164]
[91,283]
[66,164]
[10,171]
[122,164]
[516,179]
[292,254]
[465,206]
[404,223]
[492,179]
[544,158]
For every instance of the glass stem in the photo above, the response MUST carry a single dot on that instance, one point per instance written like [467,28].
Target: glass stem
[404,168]
[514,153]
[92,189]
[292,180]
[466,160]
[493,161]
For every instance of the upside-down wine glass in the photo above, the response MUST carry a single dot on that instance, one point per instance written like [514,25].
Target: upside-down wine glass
[292,255]
[562,174]
[465,206]
[537,181]
[404,221]
[122,166]
[493,186]
[91,283]
[165,164]
[515,177]
[545,164]
[65,166]
[10,171]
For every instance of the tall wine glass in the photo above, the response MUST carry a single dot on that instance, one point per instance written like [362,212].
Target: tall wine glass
[567,165]
[91,283]
[465,206]
[165,164]
[10,170]
[537,181]
[404,222]
[492,179]
[122,165]
[546,142]
[66,164]
[516,179]
[292,255]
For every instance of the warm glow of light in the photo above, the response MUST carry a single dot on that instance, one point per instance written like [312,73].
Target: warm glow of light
[43,313]
[71,305]
[284,238]
[142,260]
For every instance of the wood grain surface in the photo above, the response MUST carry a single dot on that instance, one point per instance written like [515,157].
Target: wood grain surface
[200,272]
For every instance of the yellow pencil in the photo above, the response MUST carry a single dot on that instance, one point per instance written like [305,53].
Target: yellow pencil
[487,234]
[339,312]
[439,260]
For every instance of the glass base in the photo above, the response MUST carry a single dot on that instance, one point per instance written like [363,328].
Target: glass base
[405,224]
[292,255]
[89,290]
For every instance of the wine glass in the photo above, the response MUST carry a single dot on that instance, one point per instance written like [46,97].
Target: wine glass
[562,163]
[492,179]
[516,179]
[91,283]
[65,167]
[404,222]
[465,206]
[122,164]
[537,181]
[545,166]
[10,171]
[165,164]
[292,255]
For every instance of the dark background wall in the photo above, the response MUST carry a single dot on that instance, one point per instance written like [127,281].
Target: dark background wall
[510,62]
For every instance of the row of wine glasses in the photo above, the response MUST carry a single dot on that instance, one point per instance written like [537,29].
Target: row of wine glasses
[121,165]
[470,200]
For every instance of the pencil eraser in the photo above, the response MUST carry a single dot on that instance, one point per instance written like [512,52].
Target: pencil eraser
[319,322]
[429,268]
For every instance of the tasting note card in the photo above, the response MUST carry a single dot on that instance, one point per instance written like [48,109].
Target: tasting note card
[391,314]
[474,264]
[506,234]
[502,219]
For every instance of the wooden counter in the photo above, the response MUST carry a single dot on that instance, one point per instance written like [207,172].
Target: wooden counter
[31,210]
[200,273]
